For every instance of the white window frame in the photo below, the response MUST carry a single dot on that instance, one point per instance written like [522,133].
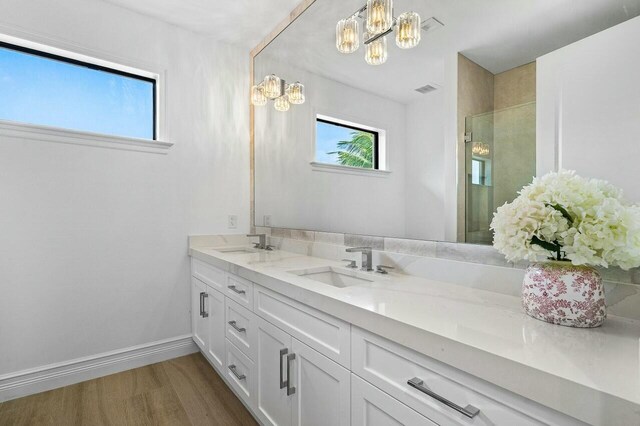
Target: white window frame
[12,129]
[381,171]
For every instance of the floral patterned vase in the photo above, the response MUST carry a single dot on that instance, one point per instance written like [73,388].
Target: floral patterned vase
[564,294]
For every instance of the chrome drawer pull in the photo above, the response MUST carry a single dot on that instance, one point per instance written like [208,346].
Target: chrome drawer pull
[290,389]
[236,328]
[239,376]
[201,303]
[283,383]
[469,411]
[205,314]
[235,289]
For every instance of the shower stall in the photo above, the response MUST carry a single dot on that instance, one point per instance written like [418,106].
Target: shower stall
[500,158]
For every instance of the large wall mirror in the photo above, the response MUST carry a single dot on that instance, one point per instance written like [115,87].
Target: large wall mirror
[426,142]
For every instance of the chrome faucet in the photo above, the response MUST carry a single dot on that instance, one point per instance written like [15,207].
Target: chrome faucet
[367,264]
[262,245]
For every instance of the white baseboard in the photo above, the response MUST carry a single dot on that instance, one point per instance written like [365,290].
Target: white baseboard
[40,379]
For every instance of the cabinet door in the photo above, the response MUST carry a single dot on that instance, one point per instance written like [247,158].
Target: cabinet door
[372,407]
[274,406]
[199,321]
[322,389]
[214,308]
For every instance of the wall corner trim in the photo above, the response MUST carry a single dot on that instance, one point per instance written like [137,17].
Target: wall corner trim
[52,376]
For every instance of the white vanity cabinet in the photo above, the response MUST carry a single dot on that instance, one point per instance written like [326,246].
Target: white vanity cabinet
[207,321]
[199,321]
[215,342]
[292,364]
[322,389]
[274,404]
[372,407]
[298,385]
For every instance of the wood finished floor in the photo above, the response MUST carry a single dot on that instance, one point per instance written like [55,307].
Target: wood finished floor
[181,391]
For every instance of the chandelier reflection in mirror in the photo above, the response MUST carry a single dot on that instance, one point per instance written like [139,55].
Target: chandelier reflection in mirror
[481,149]
[283,95]
[378,23]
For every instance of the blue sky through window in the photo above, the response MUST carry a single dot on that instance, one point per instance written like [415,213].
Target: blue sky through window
[44,91]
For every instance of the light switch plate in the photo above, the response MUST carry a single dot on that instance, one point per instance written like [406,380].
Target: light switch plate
[233,221]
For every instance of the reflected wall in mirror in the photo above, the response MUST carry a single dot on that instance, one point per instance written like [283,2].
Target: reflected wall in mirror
[428,144]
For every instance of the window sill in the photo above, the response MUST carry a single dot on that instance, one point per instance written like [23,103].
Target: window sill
[53,134]
[332,168]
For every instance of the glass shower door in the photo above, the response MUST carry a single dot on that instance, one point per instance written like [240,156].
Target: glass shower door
[500,158]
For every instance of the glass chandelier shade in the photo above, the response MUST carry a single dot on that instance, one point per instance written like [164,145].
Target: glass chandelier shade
[281,104]
[272,86]
[408,30]
[295,93]
[347,35]
[257,96]
[379,16]
[376,52]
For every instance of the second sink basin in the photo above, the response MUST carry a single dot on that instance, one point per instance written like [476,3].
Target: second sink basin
[337,277]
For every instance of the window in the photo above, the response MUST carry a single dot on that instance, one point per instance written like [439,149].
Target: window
[481,172]
[41,88]
[348,145]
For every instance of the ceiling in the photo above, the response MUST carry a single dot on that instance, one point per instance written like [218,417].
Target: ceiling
[241,22]
[497,34]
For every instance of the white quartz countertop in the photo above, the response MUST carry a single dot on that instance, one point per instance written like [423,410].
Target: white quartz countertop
[590,374]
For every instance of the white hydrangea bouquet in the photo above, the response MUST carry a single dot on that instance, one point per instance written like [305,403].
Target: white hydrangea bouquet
[577,223]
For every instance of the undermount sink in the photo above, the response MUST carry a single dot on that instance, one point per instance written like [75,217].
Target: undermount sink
[235,250]
[336,277]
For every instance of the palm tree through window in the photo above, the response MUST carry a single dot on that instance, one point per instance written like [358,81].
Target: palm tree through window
[346,145]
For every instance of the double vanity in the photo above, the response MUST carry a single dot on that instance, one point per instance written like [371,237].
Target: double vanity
[310,340]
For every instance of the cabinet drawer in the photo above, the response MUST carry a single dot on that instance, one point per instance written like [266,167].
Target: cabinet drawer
[390,367]
[240,290]
[324,333]
[210,275]
[241,328]
[372,407]
[240,373]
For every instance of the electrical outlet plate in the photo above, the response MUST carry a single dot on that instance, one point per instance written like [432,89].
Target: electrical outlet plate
[267,220]
[233,221]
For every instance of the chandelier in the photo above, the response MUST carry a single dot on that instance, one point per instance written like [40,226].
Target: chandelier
[480,149]
[283,95]
[378,23]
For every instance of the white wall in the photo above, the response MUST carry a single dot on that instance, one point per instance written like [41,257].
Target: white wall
[424,173]
[295,195]
[93,256]
[588,116]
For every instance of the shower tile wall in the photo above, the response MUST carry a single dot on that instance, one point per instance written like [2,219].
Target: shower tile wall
[501,110]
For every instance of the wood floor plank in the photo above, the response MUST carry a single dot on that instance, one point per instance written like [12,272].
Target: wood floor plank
[183,391]
[157,407]
[205,397]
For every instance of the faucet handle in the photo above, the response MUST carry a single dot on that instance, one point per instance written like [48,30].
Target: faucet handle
[352,263]
[382,269]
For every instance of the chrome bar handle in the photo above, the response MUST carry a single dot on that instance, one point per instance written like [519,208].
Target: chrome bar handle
[469,411]
[201,303]
[204,312]
[283,383]
[290,389]
[236,328]
[235,289]
[239,376]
